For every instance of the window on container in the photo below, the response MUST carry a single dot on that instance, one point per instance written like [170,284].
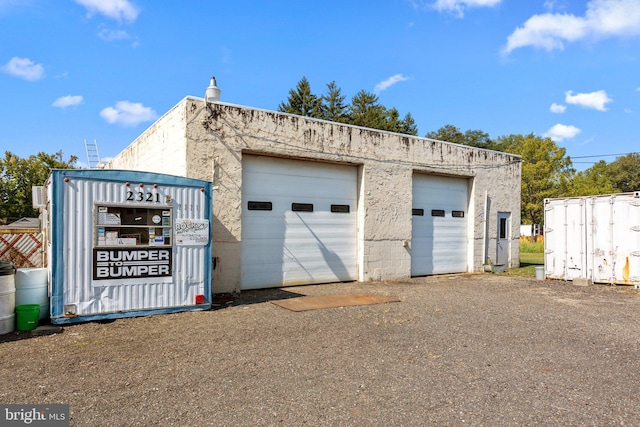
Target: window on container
[340,208]
[302,207]
[132,226]
[457,214]
[259,206]
[417,212]
[437,212]
[503,228]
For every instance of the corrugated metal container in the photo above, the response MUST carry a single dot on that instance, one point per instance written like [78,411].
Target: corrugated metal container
[126,243]
[593,237]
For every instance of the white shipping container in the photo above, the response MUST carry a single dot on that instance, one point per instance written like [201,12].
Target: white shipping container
[126,243]
[593,237]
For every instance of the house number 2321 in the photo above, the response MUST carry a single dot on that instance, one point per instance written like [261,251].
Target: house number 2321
[139,196]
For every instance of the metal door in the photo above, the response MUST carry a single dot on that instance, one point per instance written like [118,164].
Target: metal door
[502,243]
[298,222]
[439,225]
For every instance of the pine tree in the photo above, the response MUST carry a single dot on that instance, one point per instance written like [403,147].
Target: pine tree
[301,101]
[366,111]
[332,104]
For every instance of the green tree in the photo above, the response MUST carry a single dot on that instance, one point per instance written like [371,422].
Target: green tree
[447,133]
[546,172]
[302,101]
[392,120]
[366,110]
[408,125]
[625,173]
[479,139]
[332,106]
[17,175]
[592,181]
[472,138]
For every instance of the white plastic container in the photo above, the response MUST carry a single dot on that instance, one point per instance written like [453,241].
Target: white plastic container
[32,288]
[7,310]
[540,273]
[7,297]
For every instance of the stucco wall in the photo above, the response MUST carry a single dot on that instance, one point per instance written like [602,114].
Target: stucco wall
[217,135]
[161,148]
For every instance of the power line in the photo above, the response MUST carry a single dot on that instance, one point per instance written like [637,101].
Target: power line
[603,155]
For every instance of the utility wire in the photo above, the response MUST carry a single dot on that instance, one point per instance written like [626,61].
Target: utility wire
[602,155]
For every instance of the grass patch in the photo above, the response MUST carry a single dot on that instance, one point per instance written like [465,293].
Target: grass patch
[531,248]
[531,256]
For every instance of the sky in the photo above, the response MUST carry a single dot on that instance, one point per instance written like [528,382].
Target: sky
[104,70]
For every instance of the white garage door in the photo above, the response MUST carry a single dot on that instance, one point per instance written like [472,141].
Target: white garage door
[439,227]
[298,222]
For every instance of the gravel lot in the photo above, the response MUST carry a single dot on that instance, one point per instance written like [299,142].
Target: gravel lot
[473,349]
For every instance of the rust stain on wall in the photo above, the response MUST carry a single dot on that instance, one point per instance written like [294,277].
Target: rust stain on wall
[625,271]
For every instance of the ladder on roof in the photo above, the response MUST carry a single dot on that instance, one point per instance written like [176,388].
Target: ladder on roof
[93,157]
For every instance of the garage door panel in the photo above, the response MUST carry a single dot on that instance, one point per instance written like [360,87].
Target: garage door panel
[283,247]
[439,243]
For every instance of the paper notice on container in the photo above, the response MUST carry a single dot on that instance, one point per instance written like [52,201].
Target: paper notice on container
[191,232]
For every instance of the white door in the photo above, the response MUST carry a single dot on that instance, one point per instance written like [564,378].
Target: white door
[503,252]
[614,239]
[298,222]
[439,225]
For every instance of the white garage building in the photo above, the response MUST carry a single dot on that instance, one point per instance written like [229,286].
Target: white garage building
[300,201]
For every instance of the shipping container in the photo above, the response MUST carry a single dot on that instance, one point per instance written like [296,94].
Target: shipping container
[593,237]
[125,243]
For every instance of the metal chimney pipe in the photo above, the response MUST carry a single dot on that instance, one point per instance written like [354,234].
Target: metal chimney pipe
[212,93]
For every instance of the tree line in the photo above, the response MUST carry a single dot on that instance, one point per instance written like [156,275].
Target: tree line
[547,171]
[364,110]
[17,175]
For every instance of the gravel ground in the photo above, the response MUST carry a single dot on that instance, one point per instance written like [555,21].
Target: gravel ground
[472,349]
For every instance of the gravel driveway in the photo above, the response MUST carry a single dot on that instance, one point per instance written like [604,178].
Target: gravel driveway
[472,349]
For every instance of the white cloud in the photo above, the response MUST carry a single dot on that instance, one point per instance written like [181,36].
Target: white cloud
[109,35]
[557,108]
[551,5]
[118,10]
[68,101]
[128,113]
[457,7]
[596,100]
[602,19]
[560,132]
[386,84]
[24,68]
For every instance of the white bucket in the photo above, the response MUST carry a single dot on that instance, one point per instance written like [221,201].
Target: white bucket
[32,288]
[7,310]
[540,273]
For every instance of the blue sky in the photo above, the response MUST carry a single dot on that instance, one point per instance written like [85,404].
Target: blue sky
[105,70]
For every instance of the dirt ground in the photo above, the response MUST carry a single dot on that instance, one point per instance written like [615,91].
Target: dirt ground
[470,349]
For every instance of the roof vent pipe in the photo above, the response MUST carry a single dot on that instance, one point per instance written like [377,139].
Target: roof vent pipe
[212,93]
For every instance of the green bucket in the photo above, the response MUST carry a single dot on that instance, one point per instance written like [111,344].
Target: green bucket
[27,316]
